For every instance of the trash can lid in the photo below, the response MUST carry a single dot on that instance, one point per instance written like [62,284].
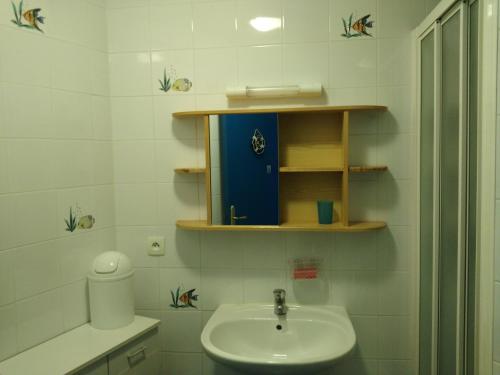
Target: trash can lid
[111,264]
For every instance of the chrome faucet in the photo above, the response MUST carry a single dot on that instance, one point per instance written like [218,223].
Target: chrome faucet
[279,302]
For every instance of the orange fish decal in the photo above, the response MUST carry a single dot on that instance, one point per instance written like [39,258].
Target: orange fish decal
[188,296]
[183,300]
[33,17]
[362,24]
[357,28]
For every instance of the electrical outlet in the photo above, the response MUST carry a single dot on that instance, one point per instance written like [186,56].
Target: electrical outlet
[156,245]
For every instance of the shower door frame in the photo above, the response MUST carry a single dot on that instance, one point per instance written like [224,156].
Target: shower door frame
[433,24]
[437,120]
[486,143]
[487,117]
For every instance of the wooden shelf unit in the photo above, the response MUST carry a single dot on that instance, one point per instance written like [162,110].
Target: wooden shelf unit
[309,169]
[190,170]
[367,168]
[322,109]
[352,169]
[314,165]
[314,142]
[284,227]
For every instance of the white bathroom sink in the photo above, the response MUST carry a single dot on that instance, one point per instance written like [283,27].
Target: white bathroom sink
[252,339]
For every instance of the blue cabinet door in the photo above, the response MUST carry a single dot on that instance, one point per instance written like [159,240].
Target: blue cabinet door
[249,169]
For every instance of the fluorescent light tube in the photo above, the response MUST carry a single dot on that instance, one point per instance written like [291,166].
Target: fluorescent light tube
[248,92]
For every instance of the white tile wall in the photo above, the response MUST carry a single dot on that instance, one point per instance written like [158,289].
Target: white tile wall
[8,291]
[213,44]
[75,304]
[306,23]
[180,25]
[260,65]
[182,363]
[41,263]
[306,62]
[39,318]
[117,154]
[214,24]
[187,322]
[130,74]
[132,118]
[35,123]
[128,29]
[353,63]
[55,149]
[8,331]
[496,316]
[248,10]
[215,68]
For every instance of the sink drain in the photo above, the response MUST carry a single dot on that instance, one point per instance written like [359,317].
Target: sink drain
[278,327]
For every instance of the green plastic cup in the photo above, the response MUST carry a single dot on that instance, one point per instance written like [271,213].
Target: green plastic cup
[325,212]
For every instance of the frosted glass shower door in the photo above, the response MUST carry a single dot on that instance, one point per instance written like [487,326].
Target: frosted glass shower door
[447,192]
[427,129]
[451,202]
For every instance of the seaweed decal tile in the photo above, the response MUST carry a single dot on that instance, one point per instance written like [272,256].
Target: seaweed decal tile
[165,83]
[357,28]
[76,220]
[32,17]
[70,221]
[183,300]
[179,84]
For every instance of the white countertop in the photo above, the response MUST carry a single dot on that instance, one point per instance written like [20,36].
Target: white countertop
[74,349]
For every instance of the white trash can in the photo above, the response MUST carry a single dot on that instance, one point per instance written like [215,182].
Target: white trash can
[111,291]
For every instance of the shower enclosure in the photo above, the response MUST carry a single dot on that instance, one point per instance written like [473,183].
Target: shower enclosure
[447,112]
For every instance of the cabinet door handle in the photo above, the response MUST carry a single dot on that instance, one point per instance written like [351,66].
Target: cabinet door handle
[135,353]
[239,217]
[233,217]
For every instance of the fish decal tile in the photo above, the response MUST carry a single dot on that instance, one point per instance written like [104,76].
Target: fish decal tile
[29,19]
[183,299]
[182,84]
[179,84]
[86,222]
[358,27]
[76,220]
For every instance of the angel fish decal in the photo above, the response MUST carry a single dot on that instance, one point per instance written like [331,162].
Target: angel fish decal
[29,19]
[183,300]
[33,17]
[359,26]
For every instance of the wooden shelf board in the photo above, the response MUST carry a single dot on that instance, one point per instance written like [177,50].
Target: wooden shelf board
[367,168]
[324,109]
[189,170]
[285,227]
[352,169]
[310,169]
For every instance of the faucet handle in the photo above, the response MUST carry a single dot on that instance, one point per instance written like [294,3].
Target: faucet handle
[279,293]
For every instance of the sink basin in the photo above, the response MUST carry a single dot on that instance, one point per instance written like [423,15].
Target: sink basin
[252,339]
